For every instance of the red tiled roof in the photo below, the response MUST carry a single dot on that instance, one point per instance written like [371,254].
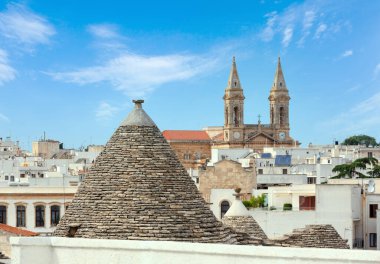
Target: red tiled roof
[185,135]
[17,231]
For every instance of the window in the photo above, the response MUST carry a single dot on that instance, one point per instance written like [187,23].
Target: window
[311,180]
[33,175]
[6,177]
[20,216]
[226,116]
[3,214]
[186,156]
[370,155]
[307,202]
[197,180]
[12,178]
[372,210]
[282,115]
[236,116]
[40,216]
[224,206]
[54,215]
[284,171]
[260,171]
[373,239]
[271,115]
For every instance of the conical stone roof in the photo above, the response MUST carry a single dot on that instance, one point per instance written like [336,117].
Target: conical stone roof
[240,220]
[316,236]
[138,189]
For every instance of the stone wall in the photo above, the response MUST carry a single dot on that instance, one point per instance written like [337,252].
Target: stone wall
[192,154]
[47,250]
[226,174]
[5,246]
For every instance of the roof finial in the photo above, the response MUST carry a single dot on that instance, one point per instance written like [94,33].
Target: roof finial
[138,103]
[233,59]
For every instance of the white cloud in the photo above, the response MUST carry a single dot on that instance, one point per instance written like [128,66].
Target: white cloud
[363,117]
[105,111]
[268,33]
[287,36]
[298,21]
[376,72]
[103,30]
[23,26]
[4,118]
[137,75]
[7,73]
[308,19]
[347,53]
[321,28]
[285,23]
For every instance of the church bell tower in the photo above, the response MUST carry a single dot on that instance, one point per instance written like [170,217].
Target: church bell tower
[233,107]
[279,105]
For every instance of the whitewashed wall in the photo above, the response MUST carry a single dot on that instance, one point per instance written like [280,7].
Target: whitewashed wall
[47,250]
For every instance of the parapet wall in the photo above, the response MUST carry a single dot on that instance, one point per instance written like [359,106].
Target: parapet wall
[58,250]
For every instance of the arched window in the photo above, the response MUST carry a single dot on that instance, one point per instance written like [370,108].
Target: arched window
[282,115]
[40,216]
[20,216]
[236,116]
[226,116]
[3,214]
[271,115]
[54,214]
[224,206]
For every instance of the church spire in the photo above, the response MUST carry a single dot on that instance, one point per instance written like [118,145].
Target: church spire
[233,80]
[279,80]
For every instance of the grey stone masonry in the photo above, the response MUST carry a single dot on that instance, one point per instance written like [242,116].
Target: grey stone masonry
[317,236]
[138,189]
[246,225]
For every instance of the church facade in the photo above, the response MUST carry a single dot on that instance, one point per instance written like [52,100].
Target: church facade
[235,133]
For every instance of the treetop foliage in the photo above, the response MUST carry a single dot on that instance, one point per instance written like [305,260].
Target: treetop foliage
[360,140]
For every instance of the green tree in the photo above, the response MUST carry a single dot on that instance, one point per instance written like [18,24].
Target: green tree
[255,201]
[375,172]
[351,170]
[360,140]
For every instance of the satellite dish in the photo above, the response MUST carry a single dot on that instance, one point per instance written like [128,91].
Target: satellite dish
[371,186]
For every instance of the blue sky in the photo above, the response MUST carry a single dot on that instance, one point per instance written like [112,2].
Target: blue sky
[71,68]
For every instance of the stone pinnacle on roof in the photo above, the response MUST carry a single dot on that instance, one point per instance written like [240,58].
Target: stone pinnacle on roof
[138,117]
[279,80]
[138,189]
[233,80]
